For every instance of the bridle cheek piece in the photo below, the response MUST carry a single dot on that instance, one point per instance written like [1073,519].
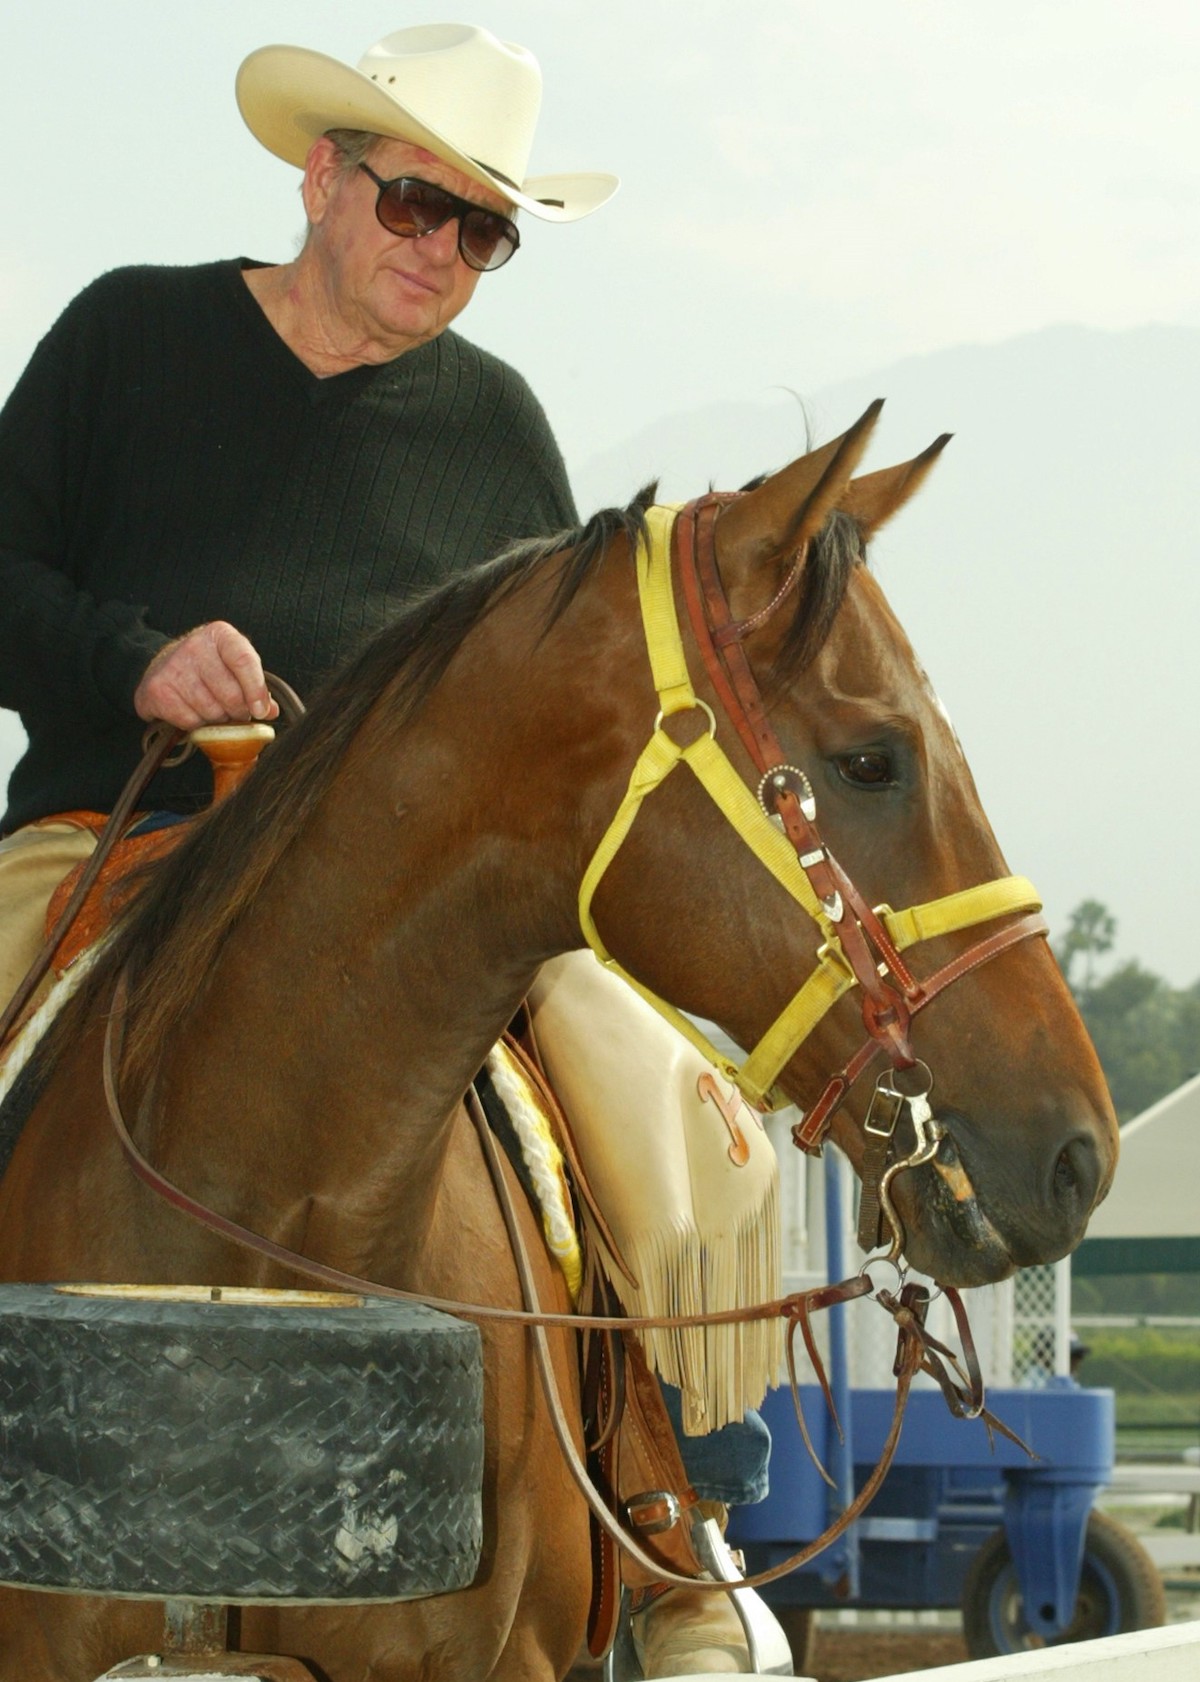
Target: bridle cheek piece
[861,945]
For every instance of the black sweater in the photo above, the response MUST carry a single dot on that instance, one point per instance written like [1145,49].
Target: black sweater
[166,460]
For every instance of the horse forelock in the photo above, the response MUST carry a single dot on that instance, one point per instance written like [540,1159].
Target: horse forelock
[824,580]
[191,900]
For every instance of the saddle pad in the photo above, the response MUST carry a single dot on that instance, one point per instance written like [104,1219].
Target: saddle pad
[684,1173]
[543,1160]
[110,892]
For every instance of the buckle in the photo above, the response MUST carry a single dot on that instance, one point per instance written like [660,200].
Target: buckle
[887,1106]
[832,952]
[653,1511]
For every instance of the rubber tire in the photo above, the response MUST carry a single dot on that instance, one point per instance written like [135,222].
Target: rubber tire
[1120,1589]
[269,1446]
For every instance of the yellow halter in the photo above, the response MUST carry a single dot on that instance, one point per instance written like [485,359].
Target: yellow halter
[833,975]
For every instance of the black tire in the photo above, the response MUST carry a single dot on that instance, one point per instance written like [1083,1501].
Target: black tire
[1120,1589]
[266,1446]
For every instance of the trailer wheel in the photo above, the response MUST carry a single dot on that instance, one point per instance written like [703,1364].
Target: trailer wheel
[237,1445]
[1120,1589]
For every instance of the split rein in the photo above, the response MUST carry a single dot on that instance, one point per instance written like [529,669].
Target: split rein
[917,1350]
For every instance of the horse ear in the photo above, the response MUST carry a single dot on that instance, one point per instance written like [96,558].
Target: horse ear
[873,499]
[785,511]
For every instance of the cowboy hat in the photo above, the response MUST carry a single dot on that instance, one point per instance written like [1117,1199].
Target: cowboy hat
[449,87]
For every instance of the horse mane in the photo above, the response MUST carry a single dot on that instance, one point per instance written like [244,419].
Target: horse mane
[188,902]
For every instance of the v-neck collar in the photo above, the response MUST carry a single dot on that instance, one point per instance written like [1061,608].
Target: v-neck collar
[318,388]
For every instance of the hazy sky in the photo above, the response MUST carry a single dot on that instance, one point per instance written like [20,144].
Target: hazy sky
[811,191]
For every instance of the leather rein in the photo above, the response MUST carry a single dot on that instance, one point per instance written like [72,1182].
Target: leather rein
[917,1350]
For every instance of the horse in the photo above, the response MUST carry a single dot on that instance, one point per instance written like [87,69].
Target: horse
[318,971]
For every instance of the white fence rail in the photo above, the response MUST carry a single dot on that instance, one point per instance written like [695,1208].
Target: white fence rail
[1150,1655]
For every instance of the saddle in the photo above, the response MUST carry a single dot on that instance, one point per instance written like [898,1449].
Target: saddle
[149,839]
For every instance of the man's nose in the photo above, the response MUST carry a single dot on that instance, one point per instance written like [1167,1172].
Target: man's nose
[441,244]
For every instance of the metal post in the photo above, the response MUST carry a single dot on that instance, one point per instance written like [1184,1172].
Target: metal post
[1062,1317]
[841,1454]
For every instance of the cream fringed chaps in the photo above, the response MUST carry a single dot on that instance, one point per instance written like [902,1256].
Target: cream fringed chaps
[699,1230]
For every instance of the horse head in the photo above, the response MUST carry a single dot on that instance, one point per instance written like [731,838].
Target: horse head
[1019,1112]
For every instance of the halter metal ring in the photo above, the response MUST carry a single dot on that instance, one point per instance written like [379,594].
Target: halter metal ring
[888,1260]
[692,705]
[891,1075]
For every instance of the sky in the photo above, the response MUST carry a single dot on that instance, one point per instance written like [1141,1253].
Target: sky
[810,191]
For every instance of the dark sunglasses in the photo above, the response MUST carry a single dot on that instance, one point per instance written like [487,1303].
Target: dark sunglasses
[410,208]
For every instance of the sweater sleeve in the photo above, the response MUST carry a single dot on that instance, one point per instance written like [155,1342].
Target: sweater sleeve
[61,648]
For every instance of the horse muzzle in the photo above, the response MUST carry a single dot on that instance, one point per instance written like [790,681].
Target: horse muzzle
[969,1221]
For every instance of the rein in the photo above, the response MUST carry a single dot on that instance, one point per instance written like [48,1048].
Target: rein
[163,746]
[789,1307]
[158,745]
[916,1349]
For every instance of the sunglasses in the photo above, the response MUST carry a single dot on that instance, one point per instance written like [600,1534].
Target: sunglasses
[410,208]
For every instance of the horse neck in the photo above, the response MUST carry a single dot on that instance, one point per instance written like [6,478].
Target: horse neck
[404,925]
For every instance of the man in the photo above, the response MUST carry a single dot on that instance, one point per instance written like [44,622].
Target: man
[208,471]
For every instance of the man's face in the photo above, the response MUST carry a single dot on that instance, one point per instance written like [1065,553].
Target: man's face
[398,292]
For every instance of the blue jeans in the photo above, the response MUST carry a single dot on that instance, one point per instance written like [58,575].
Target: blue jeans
[728,1465]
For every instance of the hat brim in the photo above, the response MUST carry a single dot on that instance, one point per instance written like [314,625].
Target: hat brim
[290,96]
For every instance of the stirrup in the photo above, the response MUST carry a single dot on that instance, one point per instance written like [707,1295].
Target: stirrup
[768,1647]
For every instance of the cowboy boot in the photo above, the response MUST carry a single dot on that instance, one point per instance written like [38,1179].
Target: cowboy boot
[690,1632]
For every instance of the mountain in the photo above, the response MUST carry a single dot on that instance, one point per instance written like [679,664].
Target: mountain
[1047,575]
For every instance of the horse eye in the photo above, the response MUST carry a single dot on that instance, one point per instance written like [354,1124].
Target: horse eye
[871,769]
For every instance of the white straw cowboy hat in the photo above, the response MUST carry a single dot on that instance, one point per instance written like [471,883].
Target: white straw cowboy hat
[452,88]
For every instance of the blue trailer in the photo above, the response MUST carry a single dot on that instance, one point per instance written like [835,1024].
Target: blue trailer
[960,1521]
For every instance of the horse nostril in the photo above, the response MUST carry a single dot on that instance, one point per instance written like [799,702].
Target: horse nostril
[1065,1177]
[1076,1177]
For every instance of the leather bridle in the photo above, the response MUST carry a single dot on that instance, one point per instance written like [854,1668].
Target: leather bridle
[861,945]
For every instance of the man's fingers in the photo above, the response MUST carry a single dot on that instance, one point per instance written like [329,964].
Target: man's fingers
[239,659]
[213,675]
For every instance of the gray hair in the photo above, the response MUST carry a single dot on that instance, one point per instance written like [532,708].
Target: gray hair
[353,148]
[354,144]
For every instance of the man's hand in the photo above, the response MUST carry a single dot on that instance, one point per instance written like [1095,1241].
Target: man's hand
[213,675]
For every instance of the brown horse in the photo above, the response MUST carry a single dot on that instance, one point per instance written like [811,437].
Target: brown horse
[320,969]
